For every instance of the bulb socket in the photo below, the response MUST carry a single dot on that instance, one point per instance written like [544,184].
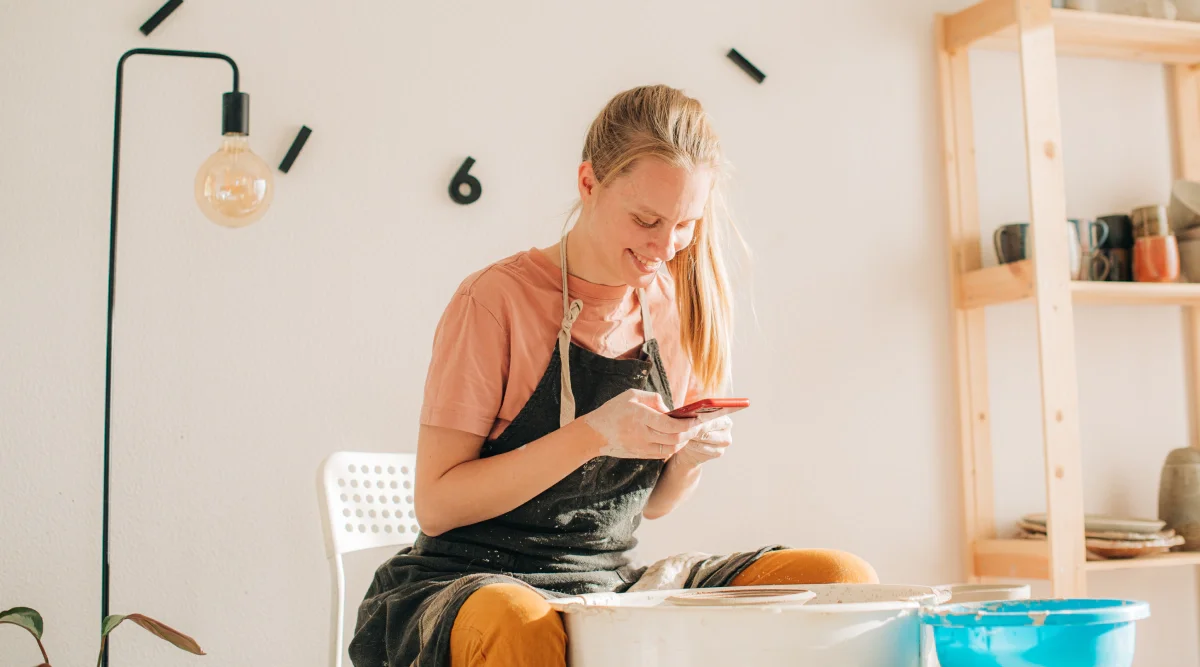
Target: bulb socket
[235,113]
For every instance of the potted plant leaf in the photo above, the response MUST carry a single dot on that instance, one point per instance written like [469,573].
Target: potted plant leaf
[32,621]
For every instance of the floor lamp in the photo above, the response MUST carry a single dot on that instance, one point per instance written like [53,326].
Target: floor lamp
[233,188]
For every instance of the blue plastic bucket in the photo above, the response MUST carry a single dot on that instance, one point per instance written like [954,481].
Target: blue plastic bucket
[1023,633]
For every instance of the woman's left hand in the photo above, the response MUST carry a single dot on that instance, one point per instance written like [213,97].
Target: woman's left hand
[714,437]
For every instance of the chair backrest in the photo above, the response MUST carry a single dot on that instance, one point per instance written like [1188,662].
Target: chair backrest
[368,500]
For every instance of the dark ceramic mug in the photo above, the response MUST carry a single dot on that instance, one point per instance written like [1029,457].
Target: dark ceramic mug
[1120,231]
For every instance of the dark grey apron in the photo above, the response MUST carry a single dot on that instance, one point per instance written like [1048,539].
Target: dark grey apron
[569,540]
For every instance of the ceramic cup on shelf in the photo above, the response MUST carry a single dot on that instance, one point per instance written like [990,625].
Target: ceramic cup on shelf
[1179,495]
[1120,231]
[1118,247]
[1096,265]
[1156,259]
[1150,221]
[1013,244]
[1120,264]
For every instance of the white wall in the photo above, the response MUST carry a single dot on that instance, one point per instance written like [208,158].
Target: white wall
[243,358]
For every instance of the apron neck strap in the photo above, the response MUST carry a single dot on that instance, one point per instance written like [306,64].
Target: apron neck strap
[571,310]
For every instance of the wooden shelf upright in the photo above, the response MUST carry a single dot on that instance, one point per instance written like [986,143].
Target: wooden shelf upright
[1039,34]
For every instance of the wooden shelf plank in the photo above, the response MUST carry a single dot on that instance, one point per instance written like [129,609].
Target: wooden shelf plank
[1029,559]
[1161,560]
[1147,294]
[989,25]
[1012,559]
[1009,283]
[1005,283]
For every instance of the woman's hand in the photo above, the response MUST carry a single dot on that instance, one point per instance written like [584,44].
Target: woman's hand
[683,470]
[709,443]
[634,425]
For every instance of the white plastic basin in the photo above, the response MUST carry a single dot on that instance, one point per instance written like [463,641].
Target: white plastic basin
[842,625]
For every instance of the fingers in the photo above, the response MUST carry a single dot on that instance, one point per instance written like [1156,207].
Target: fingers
[718,430]
[713,417]
[699,454]
[659,421]
[669,439]
[649,399]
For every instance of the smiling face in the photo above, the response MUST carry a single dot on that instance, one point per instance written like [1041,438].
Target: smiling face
[640,219]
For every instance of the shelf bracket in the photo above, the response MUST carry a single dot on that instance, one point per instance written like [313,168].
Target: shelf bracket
[976,22]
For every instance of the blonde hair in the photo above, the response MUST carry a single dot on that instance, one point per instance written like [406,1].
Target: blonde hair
[662,122]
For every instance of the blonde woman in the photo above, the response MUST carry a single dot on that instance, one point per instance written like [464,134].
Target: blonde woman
[543,438]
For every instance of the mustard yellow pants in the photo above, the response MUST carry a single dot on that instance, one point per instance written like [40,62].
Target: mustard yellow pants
[509,624]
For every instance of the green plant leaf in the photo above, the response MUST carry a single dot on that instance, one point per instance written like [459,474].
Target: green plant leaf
[109,623]
[157,628]
[25,617]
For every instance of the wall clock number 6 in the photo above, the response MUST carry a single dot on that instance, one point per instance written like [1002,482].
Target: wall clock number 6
[461,178]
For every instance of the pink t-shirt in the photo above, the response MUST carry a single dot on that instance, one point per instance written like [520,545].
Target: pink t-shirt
[494,340]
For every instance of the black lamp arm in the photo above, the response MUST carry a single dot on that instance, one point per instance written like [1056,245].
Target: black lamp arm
[235,118]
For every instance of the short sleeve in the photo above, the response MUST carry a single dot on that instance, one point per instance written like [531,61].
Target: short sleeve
[468,369]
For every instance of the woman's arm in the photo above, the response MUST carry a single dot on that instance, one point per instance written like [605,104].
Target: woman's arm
[682,472]
[457,488]
[675,485]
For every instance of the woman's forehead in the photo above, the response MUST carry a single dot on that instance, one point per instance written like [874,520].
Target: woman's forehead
[660,190]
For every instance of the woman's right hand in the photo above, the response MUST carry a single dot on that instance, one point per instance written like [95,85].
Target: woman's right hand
[634,425]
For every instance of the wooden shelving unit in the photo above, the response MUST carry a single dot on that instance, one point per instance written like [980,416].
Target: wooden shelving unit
[1039,34]
[1008,283]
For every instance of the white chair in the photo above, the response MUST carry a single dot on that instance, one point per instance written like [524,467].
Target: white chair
[368,500]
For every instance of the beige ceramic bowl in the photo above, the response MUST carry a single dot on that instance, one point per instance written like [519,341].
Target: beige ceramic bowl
[1183,213]
[1189,260]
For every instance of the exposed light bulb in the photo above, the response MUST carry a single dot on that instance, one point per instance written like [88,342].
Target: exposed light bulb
[234,187]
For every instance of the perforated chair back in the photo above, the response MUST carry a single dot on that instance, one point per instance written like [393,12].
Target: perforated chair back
[368,502]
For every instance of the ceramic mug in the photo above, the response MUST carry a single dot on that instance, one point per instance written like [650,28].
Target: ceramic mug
[1096,266]
[1120,264]
[1097,233]
[1012,244]
[1150,221]
[1120,231]
[1156,259]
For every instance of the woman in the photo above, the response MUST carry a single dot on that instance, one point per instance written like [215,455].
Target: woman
[543,440]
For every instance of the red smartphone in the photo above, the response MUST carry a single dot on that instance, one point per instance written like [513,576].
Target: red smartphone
[706,406]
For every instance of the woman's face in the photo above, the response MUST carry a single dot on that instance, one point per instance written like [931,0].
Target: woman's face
[641,219]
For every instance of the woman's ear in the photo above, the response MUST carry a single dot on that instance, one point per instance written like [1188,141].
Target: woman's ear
[587,180]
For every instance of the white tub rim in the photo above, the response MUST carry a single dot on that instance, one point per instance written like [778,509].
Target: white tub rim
[930,596]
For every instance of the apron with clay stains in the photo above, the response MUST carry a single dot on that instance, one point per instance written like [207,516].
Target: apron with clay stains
[568,540]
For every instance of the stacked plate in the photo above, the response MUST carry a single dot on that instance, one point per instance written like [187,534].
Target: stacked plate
[1110,536]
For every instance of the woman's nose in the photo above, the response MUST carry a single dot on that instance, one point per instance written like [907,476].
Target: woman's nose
[664,245]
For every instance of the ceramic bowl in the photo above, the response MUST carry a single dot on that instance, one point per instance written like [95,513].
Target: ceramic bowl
[1189,259]
[1183,212]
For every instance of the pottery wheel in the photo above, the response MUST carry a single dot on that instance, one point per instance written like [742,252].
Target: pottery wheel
[741,595]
